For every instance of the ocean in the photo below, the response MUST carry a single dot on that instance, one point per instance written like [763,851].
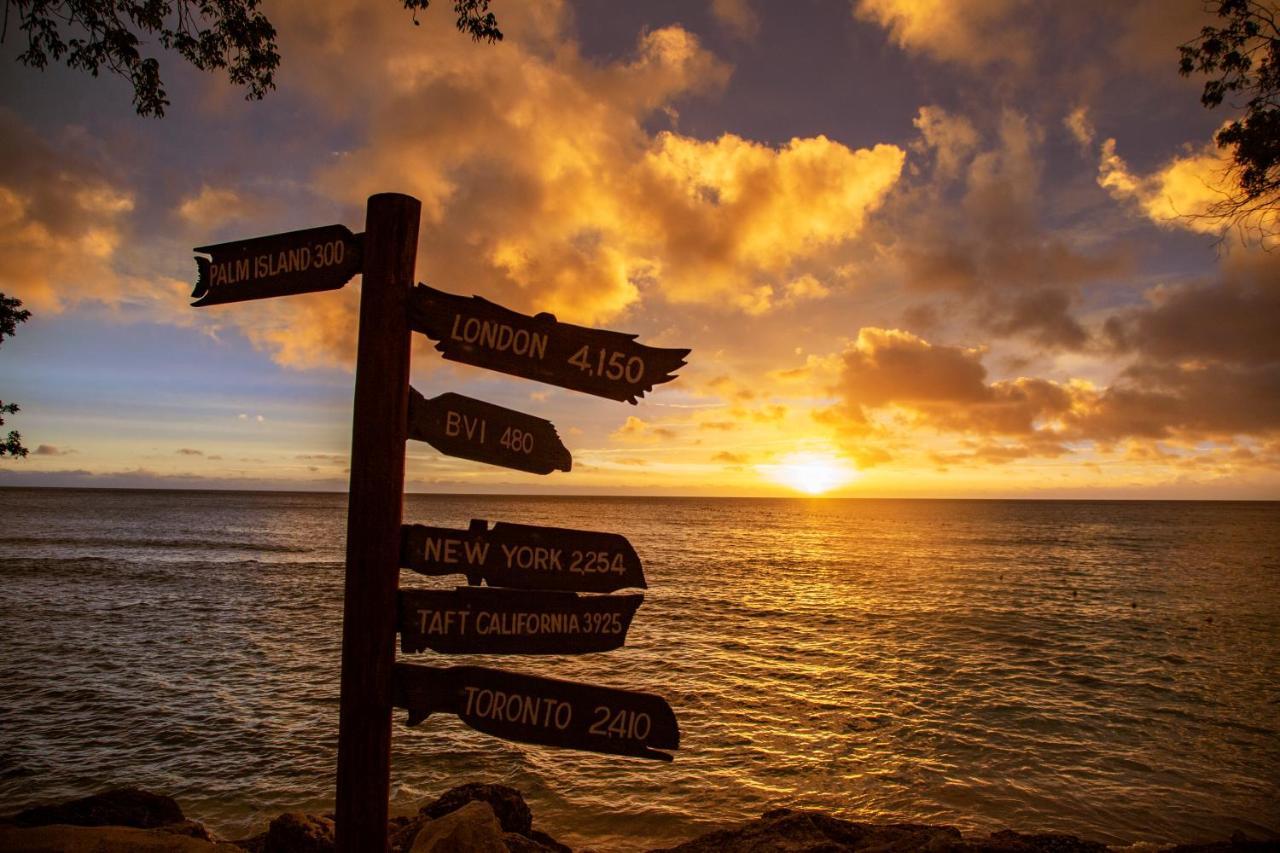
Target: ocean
[1108,669]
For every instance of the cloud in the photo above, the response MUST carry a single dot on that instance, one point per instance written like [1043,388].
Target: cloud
[1189,401]
[894,382]
[1177,195]
[1077,122]
[545,187]
[62,220]
[213,207]
[188,451]
[51,450]
[1206,358]
[731,458]
[888,364]
[951,139]
[738,17]
[635,430]
[969,234]
[1187,192]
[547,179]
[1015,35]
[733,211]
[976,33]
[1231,319]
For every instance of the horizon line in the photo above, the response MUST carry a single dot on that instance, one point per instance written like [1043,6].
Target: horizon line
[798,497]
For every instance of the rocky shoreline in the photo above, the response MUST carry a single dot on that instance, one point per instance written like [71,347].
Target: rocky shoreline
[495,819]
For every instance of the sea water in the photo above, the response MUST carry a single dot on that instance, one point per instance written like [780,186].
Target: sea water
[1109,669]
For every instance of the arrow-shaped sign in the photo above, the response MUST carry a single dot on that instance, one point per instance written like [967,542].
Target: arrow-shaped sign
[478,332]
[490,620]
[539,710]
[472,429]
[314,259]
[523,556]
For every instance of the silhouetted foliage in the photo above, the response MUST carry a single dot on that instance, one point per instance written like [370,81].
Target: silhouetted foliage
[231,35]
[1242,58]
[11,314]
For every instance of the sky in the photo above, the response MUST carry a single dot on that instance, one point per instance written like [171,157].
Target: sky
[919,248]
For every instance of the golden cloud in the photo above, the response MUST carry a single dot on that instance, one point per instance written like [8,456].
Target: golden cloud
[738,16]
[969,32]
[985,34]
[542,187]
[894,382]
[1189,191]
[61,222]
[1180,194]
[635,430]
[213,207]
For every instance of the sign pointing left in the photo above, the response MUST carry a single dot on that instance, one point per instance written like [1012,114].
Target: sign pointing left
[304,261]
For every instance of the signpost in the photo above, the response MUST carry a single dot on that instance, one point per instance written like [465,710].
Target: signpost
[478,332]
[524,557]
[472,429]
[504,617]
[541,710]
[485,620]
[279,265]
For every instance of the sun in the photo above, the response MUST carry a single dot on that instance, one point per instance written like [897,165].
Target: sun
[811,472]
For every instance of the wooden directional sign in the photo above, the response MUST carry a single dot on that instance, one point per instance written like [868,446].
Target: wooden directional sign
[279,265]
[472,429]
[487,620]
[523,557]
[540,710]
[476,331]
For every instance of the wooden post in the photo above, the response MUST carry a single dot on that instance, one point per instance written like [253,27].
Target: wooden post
[378,431]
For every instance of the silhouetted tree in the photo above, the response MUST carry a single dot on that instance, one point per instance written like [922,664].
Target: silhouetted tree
[11,314]
[1242,58]
[93,35]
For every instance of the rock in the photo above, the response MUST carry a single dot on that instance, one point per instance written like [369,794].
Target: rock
[189,828]
[118,807]
[813,832]
[547,841]
[507,803]
[1008,841]
[253,844]
[402,830]
[294,832]
[517,843]
[102,839]
[474,828]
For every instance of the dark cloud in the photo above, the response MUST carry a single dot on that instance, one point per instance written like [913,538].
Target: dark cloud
[1193,401]
[970,230]
[946,389]
[1231,320]
[50,450]
[63,218]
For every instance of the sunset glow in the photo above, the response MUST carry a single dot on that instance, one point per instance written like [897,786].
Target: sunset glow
[810,472]
[888,291]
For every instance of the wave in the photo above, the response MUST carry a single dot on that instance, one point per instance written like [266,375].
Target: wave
[151,542]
